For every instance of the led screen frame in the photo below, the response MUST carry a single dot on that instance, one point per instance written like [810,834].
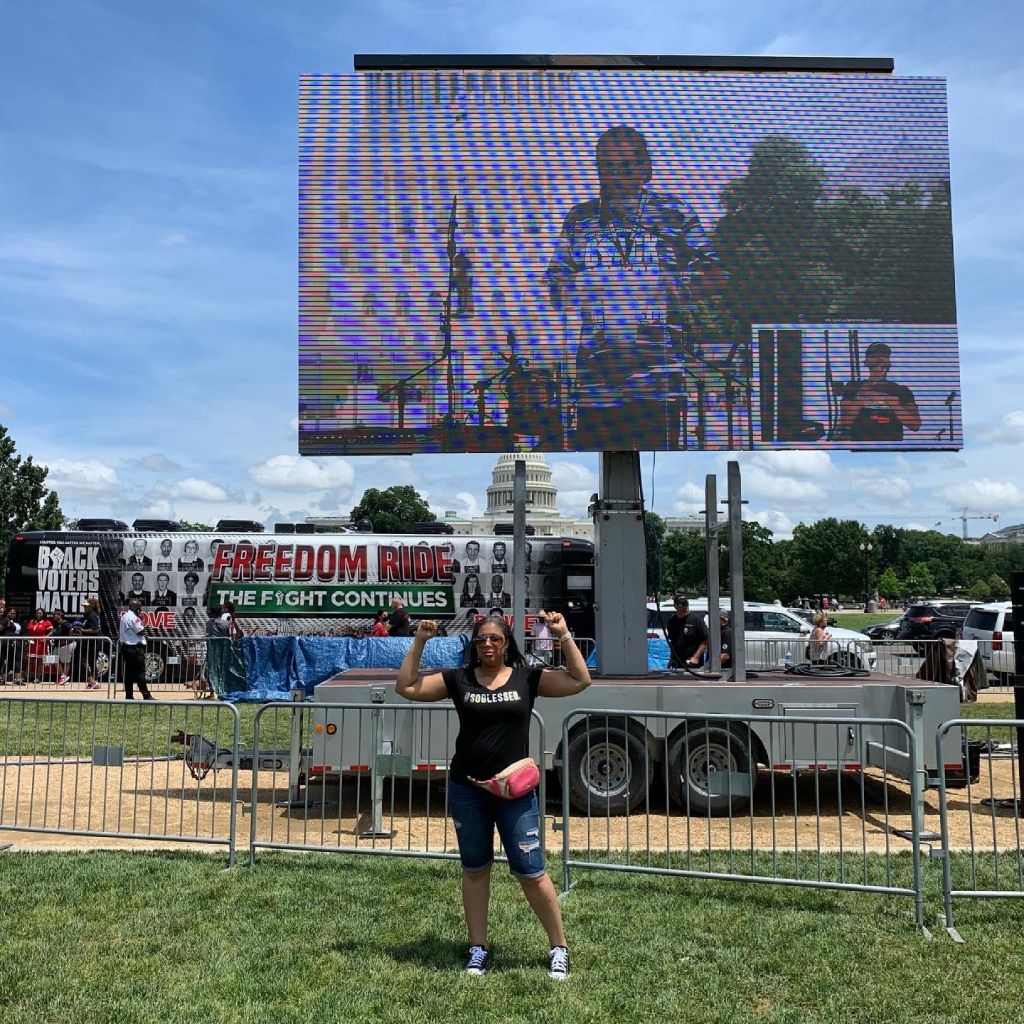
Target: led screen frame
[468,281]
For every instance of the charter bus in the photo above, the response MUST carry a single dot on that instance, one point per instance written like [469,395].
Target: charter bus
[291,583]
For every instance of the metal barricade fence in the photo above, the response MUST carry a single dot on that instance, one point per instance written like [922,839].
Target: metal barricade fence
[792,800]
[65,663]
[358,778]
[768,654]
[119,769]
[174,666]
[926,659]
[983,854]
[551,653]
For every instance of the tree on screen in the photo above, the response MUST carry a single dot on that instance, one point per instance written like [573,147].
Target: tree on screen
[25,502]
[394,510]
[771,238]
[188,527]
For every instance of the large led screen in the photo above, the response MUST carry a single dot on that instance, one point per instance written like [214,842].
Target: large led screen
[610,260]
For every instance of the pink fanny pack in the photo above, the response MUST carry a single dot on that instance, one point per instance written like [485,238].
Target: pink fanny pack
[518,779]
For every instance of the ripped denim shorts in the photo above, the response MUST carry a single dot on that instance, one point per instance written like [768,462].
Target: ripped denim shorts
[477,813]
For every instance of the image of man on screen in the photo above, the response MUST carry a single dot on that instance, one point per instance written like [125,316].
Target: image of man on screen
[877,409]
[632,263]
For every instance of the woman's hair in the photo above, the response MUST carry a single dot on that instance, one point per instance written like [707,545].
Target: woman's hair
[513,656]
[92,602]
[381,616]
[821,619]
[465,584]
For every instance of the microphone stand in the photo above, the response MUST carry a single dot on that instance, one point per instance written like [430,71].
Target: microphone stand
[399,387]
[446,314]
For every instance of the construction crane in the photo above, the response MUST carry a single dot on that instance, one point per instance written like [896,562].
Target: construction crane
[964,514]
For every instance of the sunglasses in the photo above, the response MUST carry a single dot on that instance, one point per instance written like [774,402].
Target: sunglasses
[481,640]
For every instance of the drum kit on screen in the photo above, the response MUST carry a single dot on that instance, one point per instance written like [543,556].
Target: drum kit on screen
[521,406]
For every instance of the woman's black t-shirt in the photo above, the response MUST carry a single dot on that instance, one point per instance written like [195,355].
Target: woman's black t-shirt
[494,725]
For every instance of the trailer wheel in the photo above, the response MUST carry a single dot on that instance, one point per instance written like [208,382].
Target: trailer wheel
[609,768]
[696,755]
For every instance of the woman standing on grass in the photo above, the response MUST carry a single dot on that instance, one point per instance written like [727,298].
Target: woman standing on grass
[493,696]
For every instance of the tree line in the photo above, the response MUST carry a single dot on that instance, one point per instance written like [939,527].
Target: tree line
[831,556]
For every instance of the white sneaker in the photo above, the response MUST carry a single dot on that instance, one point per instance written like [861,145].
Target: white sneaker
[558,963]
[476,963]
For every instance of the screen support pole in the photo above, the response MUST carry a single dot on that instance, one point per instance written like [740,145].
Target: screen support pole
[519,569]
[621,567]
[736,503]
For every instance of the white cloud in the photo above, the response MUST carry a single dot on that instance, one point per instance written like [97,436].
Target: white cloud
[199,490]
[471,507]
[793,464]
[689,499]
[1009,429]
[775,520]
[574,503]
[84,477]
[293,424]
[892,488]
[766,483]
[572,475]
[295,473]
[985,495]
[157,462]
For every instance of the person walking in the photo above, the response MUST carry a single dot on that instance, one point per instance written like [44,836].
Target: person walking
[131,635]
[817,646]
[493,697]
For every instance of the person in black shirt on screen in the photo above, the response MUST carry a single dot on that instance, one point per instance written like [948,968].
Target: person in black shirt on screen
[877,409]
[687,636]
[493,697]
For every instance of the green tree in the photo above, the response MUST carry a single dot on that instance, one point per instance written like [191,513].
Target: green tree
[684,568]
[827,558]
[979,590]
[654,535]
[920,582]
[999,587]
[770,237]
[394,510]
[188,527]
[25,501]
[890,585]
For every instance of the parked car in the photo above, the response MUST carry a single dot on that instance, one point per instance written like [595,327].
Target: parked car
[884,632]
[771,632]
[992,626]
[933,620]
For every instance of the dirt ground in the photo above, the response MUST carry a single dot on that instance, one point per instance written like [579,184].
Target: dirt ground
[160,799]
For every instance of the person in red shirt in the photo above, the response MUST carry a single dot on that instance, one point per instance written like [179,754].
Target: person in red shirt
[39,627]
[380,624]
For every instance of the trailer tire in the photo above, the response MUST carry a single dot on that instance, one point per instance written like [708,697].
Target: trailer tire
[609,768]
[695,754]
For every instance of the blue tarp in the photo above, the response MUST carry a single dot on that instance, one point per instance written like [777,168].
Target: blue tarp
[276,665]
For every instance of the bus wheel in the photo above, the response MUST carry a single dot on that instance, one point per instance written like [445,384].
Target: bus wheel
[610,770]
[711,770]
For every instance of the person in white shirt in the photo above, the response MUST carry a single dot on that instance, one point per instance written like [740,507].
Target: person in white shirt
[131,635]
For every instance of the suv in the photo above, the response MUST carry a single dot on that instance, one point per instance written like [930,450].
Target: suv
[933,620]
[771,632]
[992,626]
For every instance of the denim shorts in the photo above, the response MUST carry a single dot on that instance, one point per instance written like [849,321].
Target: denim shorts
[477,813]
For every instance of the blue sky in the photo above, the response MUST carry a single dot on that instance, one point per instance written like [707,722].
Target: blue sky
[148,254]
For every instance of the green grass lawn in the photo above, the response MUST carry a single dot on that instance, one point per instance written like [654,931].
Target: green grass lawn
[168,937]
[858,620]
